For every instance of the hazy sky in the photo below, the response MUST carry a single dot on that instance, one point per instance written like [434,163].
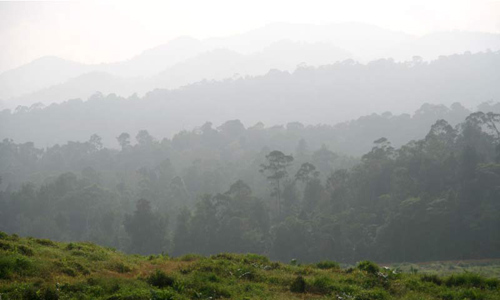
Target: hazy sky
[95,32]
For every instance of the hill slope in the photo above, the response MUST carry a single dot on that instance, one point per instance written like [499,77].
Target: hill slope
[41,269]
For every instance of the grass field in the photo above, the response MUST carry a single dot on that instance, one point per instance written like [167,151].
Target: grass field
[33,268]
[484,267]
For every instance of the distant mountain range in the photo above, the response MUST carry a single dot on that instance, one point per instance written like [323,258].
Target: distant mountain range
[186,60]
[311,95]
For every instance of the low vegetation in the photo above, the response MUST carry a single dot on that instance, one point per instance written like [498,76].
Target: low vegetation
[41,269]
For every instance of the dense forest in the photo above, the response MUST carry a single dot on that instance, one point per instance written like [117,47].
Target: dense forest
[267,191]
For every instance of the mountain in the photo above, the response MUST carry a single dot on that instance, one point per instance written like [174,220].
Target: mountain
[363,40]
[38,74]
[279,46]
[83,86]
[217,64]
[155,60]
[50,72]
[312,95]
[433,45]
[220,64]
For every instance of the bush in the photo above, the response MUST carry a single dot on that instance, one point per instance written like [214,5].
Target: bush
[162,295]
[298,285]
[120,267]
[160,279]
[466,280]
[212,291]
[27,251]
[49,294]
[46,242]
[321,285]
[190,257]
[5,246]
[368,266]
[376,294]
[69,271]
[13,264]
[328,264]
[6,267]
[431,278]
[3,235]
[256,258]
[472,294]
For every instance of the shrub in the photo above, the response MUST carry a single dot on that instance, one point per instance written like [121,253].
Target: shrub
[190,257]
[212,291]
[162,295]
[256,258]
[328,264]
[11,264]
[69,271]
[5,246]
[71,246]
[27,251]
[321,285]
[376,294]
[466,280]
[49,294]
[431,278]
[6,267]
[492,283]
[45,242]
[472,294]
[298,285]
[120,267]
[368,266]
[160,279]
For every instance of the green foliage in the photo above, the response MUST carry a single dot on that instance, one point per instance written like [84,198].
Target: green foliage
[45,242]
[471,280]
[395,205]
[368,266]
[432,278]
[298,285]
[5,246]
[3,235]
[163,295]
[190,257]
[13,264]
[321,285]
[160,279]
[53,272]
[328,264]
[25,250]
[120,267]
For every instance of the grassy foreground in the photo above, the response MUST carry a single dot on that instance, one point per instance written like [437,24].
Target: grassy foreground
[42,269]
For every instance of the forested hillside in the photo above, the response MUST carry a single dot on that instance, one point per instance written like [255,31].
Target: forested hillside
[324,95]
[241,190]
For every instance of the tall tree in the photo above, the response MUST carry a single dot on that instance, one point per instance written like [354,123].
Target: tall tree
[147,230]
[276,171]
[124,140]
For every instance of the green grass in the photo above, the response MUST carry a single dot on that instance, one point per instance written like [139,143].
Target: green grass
[44,270]
[484,267]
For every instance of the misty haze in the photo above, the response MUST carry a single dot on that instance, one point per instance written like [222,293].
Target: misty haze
[264,150]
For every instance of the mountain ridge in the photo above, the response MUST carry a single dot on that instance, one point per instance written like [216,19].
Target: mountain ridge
[365,43]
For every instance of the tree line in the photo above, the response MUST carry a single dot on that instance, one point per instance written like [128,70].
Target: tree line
[431,199]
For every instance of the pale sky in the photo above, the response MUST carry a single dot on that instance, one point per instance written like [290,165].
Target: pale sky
[107,31]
